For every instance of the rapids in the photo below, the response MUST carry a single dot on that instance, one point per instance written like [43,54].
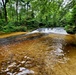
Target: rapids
[58,30]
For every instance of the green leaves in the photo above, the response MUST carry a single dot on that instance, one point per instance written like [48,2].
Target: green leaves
[50,13]
[74,15]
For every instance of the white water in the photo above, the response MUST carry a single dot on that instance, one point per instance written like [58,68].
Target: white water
[58,30]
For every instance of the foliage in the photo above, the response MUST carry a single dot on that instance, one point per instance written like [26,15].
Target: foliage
[12,27]
[74,15]
[70,29]
[22,15]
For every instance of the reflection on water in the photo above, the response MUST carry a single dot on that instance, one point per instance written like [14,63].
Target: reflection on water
[51,54]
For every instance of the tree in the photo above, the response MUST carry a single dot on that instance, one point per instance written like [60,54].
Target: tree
[5,11]
[0,10]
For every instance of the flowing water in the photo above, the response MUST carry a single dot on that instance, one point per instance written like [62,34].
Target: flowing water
[38,54]
[59,30]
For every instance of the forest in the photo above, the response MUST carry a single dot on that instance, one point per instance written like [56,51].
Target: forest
[27,15]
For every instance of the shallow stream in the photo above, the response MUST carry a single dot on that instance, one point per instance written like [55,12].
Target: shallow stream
[38,54]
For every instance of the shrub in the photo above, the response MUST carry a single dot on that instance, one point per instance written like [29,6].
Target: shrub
[70,29]
[11,27]
[20,28]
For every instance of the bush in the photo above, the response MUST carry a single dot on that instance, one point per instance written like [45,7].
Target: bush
[20,28]
[2,24]
[8,27]
[70,29]
[11,27]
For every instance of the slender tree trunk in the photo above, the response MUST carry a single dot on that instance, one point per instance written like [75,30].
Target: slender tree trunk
[27,5]
[17,9]
[0,15]
[11,16]
[20,18]
[5,11]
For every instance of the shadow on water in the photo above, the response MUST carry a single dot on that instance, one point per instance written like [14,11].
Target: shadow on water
[20,38]
[36,54]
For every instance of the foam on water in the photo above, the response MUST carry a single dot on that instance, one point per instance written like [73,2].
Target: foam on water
[58,30]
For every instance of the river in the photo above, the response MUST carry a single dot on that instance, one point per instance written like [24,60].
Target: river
[38,53]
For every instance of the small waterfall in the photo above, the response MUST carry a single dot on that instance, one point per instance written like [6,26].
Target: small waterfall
[58,30]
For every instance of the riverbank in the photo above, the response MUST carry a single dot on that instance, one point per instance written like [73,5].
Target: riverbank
[4,35]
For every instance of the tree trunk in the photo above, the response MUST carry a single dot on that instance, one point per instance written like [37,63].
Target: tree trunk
[17,9]
[5,11]
[27,5]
